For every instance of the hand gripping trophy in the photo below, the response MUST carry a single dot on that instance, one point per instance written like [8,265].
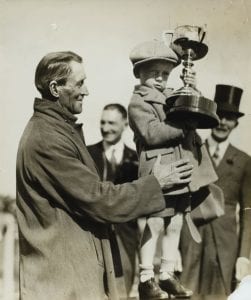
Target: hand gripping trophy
[188,103]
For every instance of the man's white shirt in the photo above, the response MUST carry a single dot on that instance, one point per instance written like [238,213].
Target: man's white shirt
[117,149]
[213,144]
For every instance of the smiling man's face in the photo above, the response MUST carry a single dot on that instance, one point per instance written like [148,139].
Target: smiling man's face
[228,121]
[112,125]
[72,93]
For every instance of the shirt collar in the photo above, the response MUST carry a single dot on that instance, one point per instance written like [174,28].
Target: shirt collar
[212,144]
[119,150]
[118,146]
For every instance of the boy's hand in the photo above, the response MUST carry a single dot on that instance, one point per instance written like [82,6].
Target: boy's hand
[188,77]
[170,175]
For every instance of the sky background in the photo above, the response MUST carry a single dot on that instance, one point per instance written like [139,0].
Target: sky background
[103,33]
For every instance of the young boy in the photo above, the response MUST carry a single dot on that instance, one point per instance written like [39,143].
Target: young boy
[154,135]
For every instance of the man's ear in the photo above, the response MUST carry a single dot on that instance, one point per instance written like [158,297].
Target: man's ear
[126,123]
[53,87]
[236,123]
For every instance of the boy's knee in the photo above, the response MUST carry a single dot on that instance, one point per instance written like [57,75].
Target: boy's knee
[156,224]
[176,223]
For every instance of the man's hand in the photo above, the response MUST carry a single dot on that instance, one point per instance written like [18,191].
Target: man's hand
[243,268]
[176,173]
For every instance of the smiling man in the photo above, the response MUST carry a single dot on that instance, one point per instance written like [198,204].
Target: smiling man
[118,163]
[213,267]
[63,207]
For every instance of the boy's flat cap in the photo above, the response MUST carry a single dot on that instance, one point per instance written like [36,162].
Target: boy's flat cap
[152,50]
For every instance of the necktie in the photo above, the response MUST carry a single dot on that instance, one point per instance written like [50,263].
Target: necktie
[216,155]
[113,162]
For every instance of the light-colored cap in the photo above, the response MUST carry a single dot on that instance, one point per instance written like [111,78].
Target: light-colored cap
[152,50]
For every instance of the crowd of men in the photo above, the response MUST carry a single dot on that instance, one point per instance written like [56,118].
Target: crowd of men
[78,205]
[222,259]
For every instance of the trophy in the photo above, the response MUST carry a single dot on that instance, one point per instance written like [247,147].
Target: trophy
[187,103]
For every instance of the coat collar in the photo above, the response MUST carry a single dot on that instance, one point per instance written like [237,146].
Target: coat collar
[54,110]
[152,95]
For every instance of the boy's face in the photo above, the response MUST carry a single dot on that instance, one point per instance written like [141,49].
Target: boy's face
[155,74]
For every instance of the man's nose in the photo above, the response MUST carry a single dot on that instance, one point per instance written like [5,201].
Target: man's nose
[223,120]
[105,127]
[84,91]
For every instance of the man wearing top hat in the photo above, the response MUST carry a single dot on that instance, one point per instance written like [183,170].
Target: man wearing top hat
[222,259]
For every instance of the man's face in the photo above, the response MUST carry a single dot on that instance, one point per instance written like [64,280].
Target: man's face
[155,74]
[71,94]
[228,122]
[112,126]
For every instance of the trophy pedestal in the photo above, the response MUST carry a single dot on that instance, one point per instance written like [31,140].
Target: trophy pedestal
[192,108]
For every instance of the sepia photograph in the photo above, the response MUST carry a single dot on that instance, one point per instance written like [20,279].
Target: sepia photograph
[125,159]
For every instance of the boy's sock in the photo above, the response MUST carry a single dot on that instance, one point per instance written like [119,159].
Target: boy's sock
[146,272]
[166,269]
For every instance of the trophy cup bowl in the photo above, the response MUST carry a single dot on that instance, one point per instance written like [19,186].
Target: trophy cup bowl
[190,38]
[187,103]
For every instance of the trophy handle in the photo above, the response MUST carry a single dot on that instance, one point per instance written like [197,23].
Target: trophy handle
[202,33]
[203,36]
[167,37]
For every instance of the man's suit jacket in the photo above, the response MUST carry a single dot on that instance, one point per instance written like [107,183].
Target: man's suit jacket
[209,266]
[127,170]
[127,233]
[234,172]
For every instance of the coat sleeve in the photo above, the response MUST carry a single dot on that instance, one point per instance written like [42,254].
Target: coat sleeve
[68,182]
[245,213]
[147,126]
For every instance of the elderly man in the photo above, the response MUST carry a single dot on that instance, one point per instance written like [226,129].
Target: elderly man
[62,205]
[212,267]
[118,163]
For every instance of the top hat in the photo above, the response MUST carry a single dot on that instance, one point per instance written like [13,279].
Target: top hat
[149,51]
[228,99]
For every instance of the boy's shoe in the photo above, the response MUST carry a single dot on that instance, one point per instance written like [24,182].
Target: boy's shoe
[173,286]
[150,290]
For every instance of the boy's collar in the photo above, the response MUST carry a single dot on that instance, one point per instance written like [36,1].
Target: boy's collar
[152,95]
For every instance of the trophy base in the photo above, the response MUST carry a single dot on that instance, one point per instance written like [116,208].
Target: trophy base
[192,108]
